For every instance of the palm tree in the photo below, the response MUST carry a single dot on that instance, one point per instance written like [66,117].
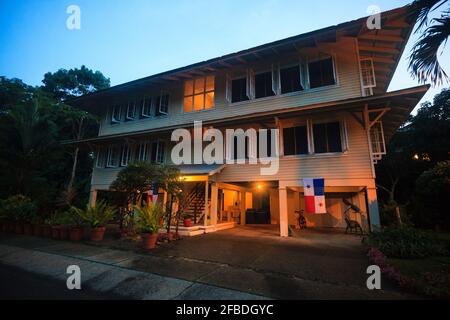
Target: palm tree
[423,61]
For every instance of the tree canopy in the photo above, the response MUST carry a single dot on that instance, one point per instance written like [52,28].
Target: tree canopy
[64,84]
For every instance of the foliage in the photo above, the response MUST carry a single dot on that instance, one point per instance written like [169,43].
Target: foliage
[406,243]
[423,61]
[18,208]
[64,84]
[148,218]
[430,208]
[414,149]
[32,161]
[98,215]
[136,179]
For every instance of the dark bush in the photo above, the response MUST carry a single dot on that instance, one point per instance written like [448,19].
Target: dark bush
[406,243]
[18,208]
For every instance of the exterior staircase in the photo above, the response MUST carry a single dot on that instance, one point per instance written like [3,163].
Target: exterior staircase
[194,206]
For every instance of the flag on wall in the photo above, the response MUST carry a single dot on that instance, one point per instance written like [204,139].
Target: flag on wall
[314,195]
[153,194]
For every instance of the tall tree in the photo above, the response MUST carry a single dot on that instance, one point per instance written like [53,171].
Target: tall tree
[64,84]
[423,61]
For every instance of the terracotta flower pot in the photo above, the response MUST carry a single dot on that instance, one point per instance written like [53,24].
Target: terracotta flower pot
[37,230]
[28,229]
[76,234]
[63,232]
[149,240]
[55,232]
[46,231]
[18,229]
[171,236]
[10,227]
[187,223]
[97,234]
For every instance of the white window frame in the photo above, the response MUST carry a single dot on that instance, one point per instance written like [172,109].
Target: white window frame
[159,144]
[144,103]
[271,71]
[239,77]
[310,135]
[110,159]
[113,111]
[142,149]
[131,106]
[335,73]
[367,87]
[100,160]
[302,79]
[166,112]
[126,155]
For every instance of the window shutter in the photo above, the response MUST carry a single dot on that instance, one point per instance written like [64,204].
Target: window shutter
[344,135]
[228,94]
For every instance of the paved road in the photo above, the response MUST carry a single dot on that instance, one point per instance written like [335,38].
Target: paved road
[30,269]
[18,284]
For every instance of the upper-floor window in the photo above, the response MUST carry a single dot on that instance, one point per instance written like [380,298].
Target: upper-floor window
[368,76]
[315,138]
[321,73]
[146,107]
[161,105]
[199,94]
[142,151]
[116,113]
[295,140]
[327,137]
[239,90]
[263,85]
[290,78]
[131,110]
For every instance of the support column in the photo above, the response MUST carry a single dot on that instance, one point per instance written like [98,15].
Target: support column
[242,206]
[284,221]
[362,205]
[92,198]
[206,203]
[214,202]
[372,206]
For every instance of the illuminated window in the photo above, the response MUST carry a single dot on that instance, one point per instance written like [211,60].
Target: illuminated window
[199,94]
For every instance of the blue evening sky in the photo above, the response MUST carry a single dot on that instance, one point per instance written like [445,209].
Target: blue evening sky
[131,39]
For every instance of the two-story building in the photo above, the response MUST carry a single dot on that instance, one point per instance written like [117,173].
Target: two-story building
[326,93]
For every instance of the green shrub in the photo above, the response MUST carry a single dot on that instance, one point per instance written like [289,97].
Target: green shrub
[18,208]
[147,218]
[98,215]
[406,243]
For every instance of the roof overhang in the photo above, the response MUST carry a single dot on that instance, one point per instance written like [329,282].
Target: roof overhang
[384,46]
[400,104]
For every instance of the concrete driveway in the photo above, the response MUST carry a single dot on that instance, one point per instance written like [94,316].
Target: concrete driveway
[242,263]
[253,259]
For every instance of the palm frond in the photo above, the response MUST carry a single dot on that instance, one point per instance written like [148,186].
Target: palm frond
[423,8]
[423,61]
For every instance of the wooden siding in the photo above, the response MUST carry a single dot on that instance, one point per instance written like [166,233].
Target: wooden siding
[354,164]
[349,86]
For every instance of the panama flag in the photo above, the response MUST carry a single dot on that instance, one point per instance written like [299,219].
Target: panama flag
[314,195]
[153,194]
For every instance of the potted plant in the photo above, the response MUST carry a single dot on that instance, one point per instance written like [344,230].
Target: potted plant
[53,221]
[97,217]
[148,221]
[76,230]
[187,221]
